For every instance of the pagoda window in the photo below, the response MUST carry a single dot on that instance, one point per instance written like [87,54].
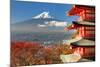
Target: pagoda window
[83,31]
[90,17]
[90,11]
[79,50]
[90,28]
[90,33]
[80,32]
[82,15]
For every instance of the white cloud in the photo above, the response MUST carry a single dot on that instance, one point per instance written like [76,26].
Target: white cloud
[41,25]
[53,23]
[56,23]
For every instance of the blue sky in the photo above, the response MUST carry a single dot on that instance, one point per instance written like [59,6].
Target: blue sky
[21,11]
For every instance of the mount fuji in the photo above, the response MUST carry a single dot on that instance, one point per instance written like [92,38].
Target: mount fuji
[39,23]
[43,15]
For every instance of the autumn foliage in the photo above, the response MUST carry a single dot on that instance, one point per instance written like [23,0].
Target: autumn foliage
[32,53]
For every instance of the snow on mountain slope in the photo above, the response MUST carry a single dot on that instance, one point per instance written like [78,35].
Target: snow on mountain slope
[43,15]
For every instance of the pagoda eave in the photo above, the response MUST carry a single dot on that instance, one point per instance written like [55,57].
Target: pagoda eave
[85,7]
[84,23]
[84,43]
[76,9]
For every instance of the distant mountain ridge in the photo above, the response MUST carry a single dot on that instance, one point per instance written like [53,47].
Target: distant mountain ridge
[36,22]
[39,19]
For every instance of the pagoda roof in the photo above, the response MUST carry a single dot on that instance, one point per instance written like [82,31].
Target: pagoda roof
[84,6]
[84,43]
[84,23]
[76,9]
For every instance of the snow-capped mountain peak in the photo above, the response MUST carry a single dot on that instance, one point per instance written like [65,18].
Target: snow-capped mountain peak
[43,15]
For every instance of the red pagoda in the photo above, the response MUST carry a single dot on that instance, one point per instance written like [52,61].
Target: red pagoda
[85,26]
